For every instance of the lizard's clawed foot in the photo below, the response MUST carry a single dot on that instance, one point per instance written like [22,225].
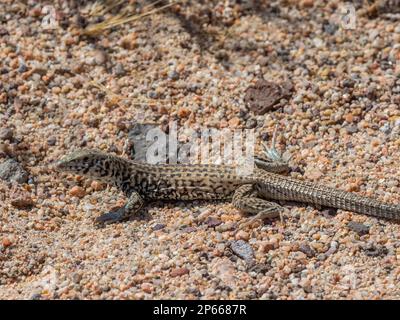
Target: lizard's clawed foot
[271,160]
[271,152]
[111,217]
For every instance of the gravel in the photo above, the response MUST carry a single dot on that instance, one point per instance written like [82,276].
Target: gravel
[192,64]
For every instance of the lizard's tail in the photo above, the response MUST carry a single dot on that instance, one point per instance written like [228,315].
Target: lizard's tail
[285,188]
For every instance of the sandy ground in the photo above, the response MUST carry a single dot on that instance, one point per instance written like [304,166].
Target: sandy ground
[191,63]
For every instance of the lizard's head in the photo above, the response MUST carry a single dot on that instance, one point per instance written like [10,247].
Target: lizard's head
[87,162]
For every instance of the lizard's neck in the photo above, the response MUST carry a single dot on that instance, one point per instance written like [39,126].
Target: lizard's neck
[112,170]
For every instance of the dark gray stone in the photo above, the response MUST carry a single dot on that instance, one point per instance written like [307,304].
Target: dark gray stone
[12,171]
[359,228]
[243,250]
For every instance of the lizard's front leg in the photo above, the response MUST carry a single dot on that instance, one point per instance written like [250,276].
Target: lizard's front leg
[245,198]
[272,160]
[132,206]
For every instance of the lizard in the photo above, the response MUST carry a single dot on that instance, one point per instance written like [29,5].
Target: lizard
[253,193]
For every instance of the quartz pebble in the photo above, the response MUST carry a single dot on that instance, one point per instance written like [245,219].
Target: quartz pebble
[77,191]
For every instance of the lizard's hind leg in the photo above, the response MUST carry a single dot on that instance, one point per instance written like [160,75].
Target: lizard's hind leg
[245,198]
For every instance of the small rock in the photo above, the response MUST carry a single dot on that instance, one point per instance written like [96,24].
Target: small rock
[22,68]
[5,150]
[359,228]
[183,112]
[234,122]
[225,270]
[349,118]
[100,57]
[6,242]
[6,134]
[188,229]
[307,250]
[119,70]
[329,28]
[307,3]
[36,296]
[77,191]
[259,268]
[173,75]
[242,235]
[332,249]
[226,227]
[179,272]
[373,250]
[158,226]
[51,141]
[39,69]
[251,124]
[76,278]
[3,31]
[12,171]
[267,246]
[329,212]
[22,201]
[147,287]
[264,95]
[213,222]
[243,250]
[351,129]
[314,174]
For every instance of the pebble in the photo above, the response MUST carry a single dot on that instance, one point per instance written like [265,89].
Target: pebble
[22,201]
[224,269]
[242,235]
[243,250]
[374,250]
[51,141]
[147,287]
[6,134]
[119,70]
[158,226]
[77,191]
[226,227]
[332,249]
[179,272]
[267,246]
[173,75]
[307,250]
[100,57]
[359,228]
[6,242]
[12,171]
[212,222]
[183,112]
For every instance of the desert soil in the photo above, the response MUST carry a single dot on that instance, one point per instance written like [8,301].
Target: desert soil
[191,63]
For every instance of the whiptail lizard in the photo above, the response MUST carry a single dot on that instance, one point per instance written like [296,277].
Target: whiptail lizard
[143,182]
